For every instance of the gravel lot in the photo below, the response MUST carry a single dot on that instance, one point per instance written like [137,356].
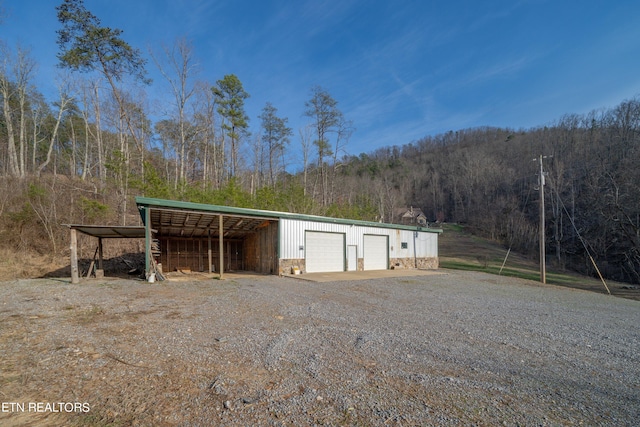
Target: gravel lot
[461,348]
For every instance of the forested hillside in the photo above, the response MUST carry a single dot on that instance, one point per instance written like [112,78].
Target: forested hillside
[82,157]
[488,179]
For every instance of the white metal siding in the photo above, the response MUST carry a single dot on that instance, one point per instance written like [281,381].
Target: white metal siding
[292,238]
[324,251]
[352,258]
[426,244]
[376,252]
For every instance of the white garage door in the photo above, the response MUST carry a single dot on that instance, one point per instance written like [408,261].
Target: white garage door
[375,252]
[325,251]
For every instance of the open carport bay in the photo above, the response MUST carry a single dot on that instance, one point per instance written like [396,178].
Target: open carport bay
[461,348]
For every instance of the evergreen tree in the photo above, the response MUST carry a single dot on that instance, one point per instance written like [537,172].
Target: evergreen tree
[230,96]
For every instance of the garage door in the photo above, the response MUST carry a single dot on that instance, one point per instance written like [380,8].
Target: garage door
[325,252]
[375,252]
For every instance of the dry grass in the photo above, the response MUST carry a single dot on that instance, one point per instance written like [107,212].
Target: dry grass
[22,265]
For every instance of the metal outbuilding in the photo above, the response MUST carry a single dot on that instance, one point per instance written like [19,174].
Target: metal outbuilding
[200,237]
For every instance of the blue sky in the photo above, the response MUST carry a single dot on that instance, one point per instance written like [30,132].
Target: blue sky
[399,69]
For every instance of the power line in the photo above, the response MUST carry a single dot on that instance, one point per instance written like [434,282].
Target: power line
[584,244]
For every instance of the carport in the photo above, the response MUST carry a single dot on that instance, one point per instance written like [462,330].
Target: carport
[100,232]
[188,236]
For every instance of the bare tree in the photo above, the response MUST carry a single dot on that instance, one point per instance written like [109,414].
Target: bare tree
[40,111]
[94,105]
[204,110]
[305,142]
[87,46]
[178,72]
[15,76]
[275,137]
[85,111]
[344,131]
[63,104]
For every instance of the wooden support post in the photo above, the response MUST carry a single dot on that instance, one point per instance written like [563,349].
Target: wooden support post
[209,251]
[93,264]
[100,257]
[168,267]
[75,278]
[147,241]
[221,245]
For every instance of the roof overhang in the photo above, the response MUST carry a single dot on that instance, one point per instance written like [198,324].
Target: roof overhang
[110,231]
[171,222]
[192,220]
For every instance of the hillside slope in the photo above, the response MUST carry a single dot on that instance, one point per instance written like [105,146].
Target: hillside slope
[460,250]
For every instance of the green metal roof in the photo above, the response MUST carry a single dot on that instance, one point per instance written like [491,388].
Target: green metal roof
[233,211]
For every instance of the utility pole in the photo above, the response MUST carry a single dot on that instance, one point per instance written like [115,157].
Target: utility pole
[543,267]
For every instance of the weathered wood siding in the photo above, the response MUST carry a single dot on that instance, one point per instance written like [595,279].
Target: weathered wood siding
[261,249]
[192,254]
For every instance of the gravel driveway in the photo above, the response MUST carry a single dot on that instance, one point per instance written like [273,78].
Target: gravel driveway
[461,348]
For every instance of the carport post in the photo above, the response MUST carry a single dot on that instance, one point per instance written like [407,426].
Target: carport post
[221,245]
[147,241]
[209,250]
[100,262]
[74,257]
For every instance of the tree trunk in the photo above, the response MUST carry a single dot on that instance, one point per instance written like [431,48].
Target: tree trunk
[64,101]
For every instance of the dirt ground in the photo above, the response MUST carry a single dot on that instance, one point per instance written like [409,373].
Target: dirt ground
[459,348]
